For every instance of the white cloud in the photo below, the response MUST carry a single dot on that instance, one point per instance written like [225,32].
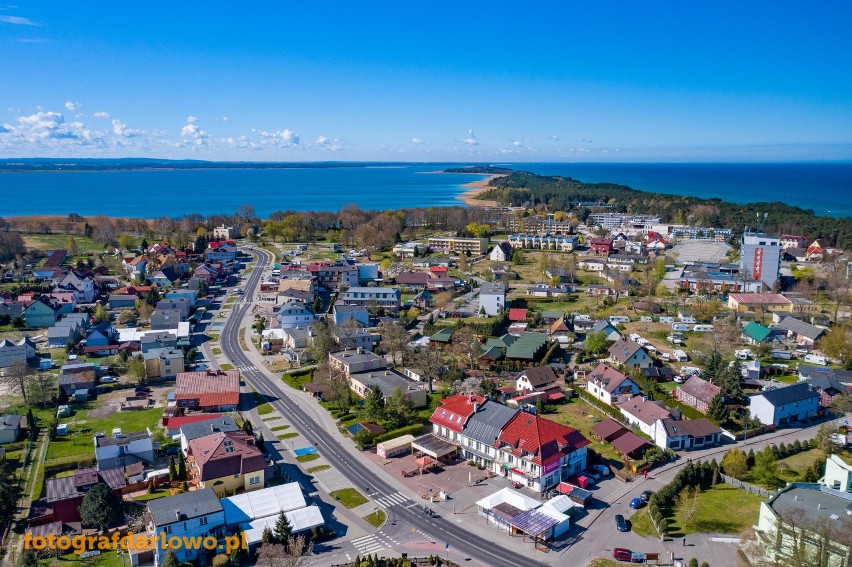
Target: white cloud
[191,119]
[325,143]
[222,119]
[517,143]
[282,138]
[72,106]
[191,132]
[555,138]
[120,129]
[417,141]
[17,20]
[101,114]
[584,141]
[471,138]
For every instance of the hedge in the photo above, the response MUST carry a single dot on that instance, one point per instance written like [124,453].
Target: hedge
[69,463]
[549,353]
[414,429]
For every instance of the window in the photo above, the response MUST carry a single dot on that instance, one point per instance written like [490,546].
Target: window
[167,529]
[254,480]
[202,520]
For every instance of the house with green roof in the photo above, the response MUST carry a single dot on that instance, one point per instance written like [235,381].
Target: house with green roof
[755,334]
[442,337]
[528,346]
[495,347]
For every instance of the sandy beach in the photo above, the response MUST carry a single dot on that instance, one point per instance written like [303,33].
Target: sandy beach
[476,188]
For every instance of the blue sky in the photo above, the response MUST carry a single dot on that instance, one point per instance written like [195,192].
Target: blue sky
[296,81]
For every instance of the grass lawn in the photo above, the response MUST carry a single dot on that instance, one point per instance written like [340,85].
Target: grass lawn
[280,428]
[159,493]
[261,404]
[318,468]
[641,524]
[79,443]
[216,351]
[290,435]
[349,497]
[723,509]
[376,519]
[601,562]
[45,242]
[296,382]
[668,387]
[308,458]
[791,467]
[582,416]
[226,366]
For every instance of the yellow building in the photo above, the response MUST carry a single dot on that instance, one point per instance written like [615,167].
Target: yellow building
[228,463]
[763,302]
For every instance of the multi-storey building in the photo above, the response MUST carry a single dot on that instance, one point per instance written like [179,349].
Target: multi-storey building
[476,246]
[760,257]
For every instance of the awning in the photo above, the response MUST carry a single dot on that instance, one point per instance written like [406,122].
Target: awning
[424,462]
[556,396]
[506,467]
[520,472]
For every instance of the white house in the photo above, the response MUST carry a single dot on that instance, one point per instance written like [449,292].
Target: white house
[492,298]
[191,514]
[535,378]
[385,297]
[643,413]
[679,435]
[785,405]
[83,287]
[838,474]
[502,252]
[120,449]
[610,386]
[294,314]
[630,354]
[592,265]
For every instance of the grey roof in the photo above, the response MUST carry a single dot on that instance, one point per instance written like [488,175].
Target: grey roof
[602,325]
[791,394]
[832,373]
[354,357]
[493,288]
[123,439]
[386,380]
[485,425]
[341,308]
[812,501]
[825,383]
[184,506]
[158,337]
[208,427]
[801,328]
[59,332]
[164,353]
[10,421]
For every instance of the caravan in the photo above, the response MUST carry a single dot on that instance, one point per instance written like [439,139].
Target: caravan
[680,327]
[702,328]
[680,356]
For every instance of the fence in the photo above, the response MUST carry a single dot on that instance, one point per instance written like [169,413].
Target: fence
[746,486]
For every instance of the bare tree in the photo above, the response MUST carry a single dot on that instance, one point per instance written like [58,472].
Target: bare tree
[292,553]
[430,363]
[16,378]
[688,503]
[466,345]
[395,339]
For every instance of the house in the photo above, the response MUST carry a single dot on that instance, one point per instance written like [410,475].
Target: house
[71,382]
[449,419]
[11,353]
[294,314]
[755,334]
[253,512]
[561,242]
[601,245]
[537,452]
[295,338]
[163,319]
[42,312]
[198,513]
[208,391]
[191,430]
[65,331]
[480,432]
[408,249]
[784,406]
[827,382]
[122,449]
[135,267]
[165,277]
[382,297]
[838,474]
[412,281]
[151,341]
[163,363]
[65,495]
[793,241]
[598,290]
[542,289]
[122,301]
[502,252]
[82,286]
[10,428]
[608,329]
[356,360]
[180,304]
[528,346]
[815,251]
[658,373]
[387,381]
[224,232]
[630,354]
[610,386]
[630,445]
[221,251]
[592,265]
[803,333]
[352,338]
[686,434]
[342,313]
[752,302]
[423,300]
[560,328]
[697,393]
[641,412]
[492,298]
[226,462]
[442,336]
[536,379]
[608,430]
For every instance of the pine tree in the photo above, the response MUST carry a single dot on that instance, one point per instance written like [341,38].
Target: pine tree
[283,529]
[172,470]
[247,427]
[267,537]
[750,458]
[181,467]
[171,559]
[716,411]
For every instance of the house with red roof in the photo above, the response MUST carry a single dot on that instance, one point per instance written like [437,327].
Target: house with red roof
[448,419]
[208,391]
[655,241]
[221,251]
[815,251]
[228,462]
[539,453]
[610,386]
[517,315]
[697,393]
[601,245]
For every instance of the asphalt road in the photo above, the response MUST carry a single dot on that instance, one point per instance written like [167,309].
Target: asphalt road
[360,474]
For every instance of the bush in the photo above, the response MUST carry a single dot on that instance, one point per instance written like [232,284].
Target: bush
[693,562]
[221,560]
[414,429]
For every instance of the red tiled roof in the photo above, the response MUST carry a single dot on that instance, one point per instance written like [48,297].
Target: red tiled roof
[517,314]
[758,298]
[629,443]
[210,388]
[546,440]
[609,429]
[646,411]
[226,454]
[177,422]
[218,244]
[454,411]
[700,389]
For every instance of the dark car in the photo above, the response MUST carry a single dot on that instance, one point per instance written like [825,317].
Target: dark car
[646,496]
[621,523]
[622,554]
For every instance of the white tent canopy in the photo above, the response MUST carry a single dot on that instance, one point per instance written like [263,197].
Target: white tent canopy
[300,520]
[513,497]
[269,502]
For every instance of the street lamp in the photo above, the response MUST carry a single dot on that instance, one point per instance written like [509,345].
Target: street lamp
[120,553]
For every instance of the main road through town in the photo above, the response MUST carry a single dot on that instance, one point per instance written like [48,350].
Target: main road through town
[360,474]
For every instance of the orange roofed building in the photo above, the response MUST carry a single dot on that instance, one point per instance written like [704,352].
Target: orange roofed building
[226,462]
[209,391]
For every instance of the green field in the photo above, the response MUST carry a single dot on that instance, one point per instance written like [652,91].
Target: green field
[45,242]
[723,509]
[349,497]
[376,519]
[79,441]
[792,467]
[582,416]
[308,458]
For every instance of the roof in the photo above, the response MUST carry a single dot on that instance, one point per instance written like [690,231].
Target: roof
[539,376]
[10,421]
[412,278]
[263,503]
[485,425]
[701,427]
[527,346]
[442,336]
[76,485]
[801,328]
[609,429]
[645,410]
[210,388]
[700,389]
[516,314]
[176,423]
[629,443]
[624,349]
[545,440]
[122,438]
[184,506]
[225,454]
[789,394]
[355,356]
[533,522]
[658,372]
[759,298]
[833,373]
[604,325]
[509,496]
[609,378]
[826,384]
[756,331]
[454,411]
[493,288]
[385,380]
[196,429]
[812,501]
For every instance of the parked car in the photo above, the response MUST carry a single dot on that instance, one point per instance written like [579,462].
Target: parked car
[621,523]
[622,554]
[646,495]
[637,503]
[602,470]
[109,380]
[593,474]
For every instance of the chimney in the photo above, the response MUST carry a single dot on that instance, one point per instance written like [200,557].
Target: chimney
[360,350]
[177,514]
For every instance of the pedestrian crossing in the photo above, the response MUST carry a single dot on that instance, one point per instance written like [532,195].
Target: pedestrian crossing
[397,498]
[246,368]
[374,542]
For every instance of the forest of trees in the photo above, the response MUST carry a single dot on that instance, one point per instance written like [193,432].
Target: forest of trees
[563,194]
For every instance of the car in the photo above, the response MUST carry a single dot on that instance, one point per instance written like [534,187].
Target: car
[593,474]
[109,380]
[646,496]
[679,379]
[637,503]
[622,554]
[621,523]
[602,470]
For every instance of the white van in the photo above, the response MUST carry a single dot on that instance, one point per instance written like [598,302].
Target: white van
[680,356]
[816,359]
[666,357]
[641,342]
[702,328]
[743,354]
[690,320]
[680,327]
[615,319]
[635,338]
[666,319]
